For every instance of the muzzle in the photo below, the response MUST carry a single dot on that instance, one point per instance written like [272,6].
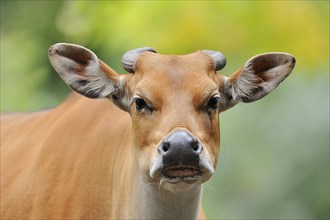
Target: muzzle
[180,153]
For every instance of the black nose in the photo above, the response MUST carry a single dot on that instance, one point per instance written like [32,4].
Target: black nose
[180,148]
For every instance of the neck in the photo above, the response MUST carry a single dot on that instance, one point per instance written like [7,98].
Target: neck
[155,203]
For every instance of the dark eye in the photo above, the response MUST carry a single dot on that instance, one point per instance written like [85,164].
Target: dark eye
[141,105]
[213,103]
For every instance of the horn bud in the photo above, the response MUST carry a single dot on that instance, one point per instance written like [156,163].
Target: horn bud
[129,58]
[218,58]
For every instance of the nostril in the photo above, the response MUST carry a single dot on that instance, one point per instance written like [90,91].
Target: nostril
[196,146]
[166,146]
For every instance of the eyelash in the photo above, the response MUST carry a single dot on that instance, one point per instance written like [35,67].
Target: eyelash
[141,105]
[213,103]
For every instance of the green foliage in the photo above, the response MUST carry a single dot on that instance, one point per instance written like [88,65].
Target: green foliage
[28,82]
[274,160]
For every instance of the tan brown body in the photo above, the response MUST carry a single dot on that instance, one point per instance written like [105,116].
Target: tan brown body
[89,159]
[54,169]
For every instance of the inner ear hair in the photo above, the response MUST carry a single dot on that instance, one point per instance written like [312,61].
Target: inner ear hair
[259,76]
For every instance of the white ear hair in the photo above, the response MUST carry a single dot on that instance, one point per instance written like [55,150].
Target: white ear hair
[260,75]
[81,69]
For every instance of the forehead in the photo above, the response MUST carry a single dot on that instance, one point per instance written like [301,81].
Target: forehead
[175,74]
[174,69]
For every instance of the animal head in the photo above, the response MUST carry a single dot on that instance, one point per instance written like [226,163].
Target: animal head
[174,102]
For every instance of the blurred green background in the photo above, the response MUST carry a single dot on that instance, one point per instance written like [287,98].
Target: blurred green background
[274,159]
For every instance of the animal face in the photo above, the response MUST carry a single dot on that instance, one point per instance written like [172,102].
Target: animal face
[175,118]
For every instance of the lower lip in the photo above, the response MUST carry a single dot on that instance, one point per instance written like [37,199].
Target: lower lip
[182,172]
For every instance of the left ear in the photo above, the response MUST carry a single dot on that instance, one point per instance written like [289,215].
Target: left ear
[259,76]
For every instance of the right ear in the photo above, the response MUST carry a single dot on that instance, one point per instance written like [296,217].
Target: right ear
[81,69]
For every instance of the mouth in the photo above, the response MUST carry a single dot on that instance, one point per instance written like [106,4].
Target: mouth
[182,173]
